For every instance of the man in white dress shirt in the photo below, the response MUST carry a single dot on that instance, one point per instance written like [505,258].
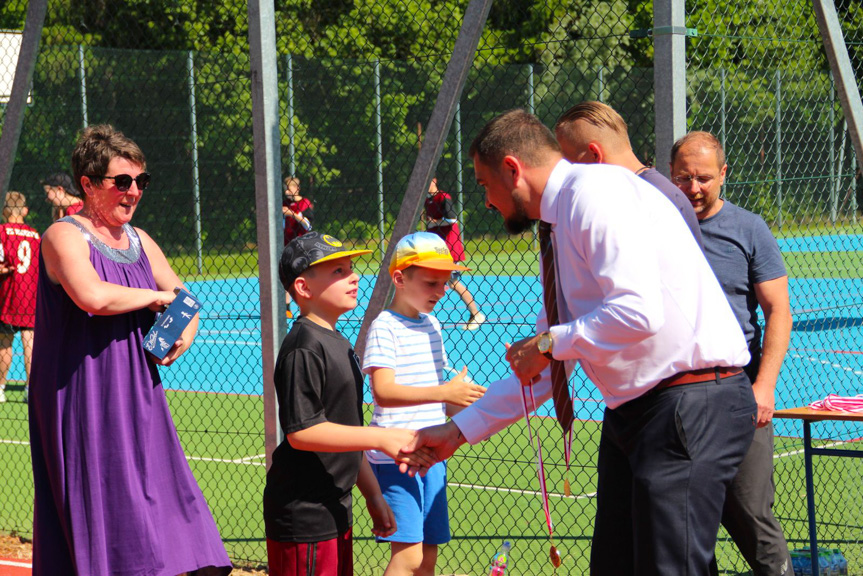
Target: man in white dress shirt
[643,314]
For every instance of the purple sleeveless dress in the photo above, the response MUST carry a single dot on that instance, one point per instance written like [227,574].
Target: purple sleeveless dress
[114,493]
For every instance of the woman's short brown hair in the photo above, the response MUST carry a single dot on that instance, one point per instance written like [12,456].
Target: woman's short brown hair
[97,145]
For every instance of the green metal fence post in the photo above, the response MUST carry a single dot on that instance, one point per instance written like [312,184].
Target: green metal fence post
[832,190]
[82,79]
[600,90]
[722,134]
[196,180]
[778,143]
[289,71]
[459,168]
[379,160]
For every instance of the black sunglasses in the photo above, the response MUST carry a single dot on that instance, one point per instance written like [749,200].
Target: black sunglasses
[124,181]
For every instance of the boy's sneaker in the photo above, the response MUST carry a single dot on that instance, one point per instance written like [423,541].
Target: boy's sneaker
[475,321]
[2,395]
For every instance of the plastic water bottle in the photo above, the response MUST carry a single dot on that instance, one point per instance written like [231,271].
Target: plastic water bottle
[500,560]
[840,564]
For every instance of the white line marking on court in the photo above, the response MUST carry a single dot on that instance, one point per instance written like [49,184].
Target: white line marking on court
[225,461]
[231,342]
[799,452]
[255,331]
[516,491]
[255,457]
[246,460]
[250,461]
[16,564]
[17,442]
[827,363]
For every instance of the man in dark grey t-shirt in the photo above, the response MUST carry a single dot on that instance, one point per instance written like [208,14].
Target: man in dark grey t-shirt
[594,133]
[747,262]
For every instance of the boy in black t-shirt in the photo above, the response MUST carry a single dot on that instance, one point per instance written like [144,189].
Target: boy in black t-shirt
[307,499]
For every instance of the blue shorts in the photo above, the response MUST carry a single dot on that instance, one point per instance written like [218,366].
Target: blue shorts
[418,503]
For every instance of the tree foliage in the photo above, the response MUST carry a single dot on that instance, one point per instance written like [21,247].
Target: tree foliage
[542,53]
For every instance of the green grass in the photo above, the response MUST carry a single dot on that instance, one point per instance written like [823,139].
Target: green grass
[493,492]
[486,256]
[824,264]
[507,257]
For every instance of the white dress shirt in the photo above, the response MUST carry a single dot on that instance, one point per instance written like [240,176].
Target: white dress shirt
[638,301]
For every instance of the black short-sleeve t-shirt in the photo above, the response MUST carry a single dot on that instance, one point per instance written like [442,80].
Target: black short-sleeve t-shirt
[318,379]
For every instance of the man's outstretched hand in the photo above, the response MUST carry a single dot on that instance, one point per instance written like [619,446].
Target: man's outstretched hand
[435,443]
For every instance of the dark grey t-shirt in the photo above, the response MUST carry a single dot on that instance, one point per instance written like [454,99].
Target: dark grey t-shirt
[677,197]
[742,252]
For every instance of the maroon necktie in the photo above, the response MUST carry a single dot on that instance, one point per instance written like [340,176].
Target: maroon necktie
[559,382]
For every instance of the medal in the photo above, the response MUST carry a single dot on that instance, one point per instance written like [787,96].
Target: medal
[553,553]
[554,556]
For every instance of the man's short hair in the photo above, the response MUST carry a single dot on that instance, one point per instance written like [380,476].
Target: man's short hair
[513,133]
[705,139]
[15,203]
[61,180]
[97,145]
[597,114]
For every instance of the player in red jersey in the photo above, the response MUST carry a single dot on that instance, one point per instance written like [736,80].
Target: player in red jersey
[440,216]
[298,213]
[19,272]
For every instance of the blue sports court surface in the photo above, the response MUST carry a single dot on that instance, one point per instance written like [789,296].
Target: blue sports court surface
[824,356]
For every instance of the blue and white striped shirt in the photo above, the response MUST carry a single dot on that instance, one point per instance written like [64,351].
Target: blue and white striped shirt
[413,348]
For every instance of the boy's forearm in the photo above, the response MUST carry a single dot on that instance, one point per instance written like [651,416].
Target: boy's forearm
[329,437]
[367,482]
[392,395]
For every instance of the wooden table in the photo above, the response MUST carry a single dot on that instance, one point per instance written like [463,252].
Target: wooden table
[808,415]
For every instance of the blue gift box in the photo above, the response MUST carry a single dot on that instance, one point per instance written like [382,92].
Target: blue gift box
[171,323]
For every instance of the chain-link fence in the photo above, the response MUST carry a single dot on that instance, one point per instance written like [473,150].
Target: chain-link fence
[762,85]
[357,83]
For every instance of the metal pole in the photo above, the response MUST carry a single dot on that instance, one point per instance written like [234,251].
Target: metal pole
[722,133]
[840,165]
[459,167]
[840,66]
[530,108]
[196,180]
[14,117]
[832,190]
[82,74]
[292,167]
[853,187]
[379,160]
[778,144]
[669,77]
[438,127]
[810,497]
[268,169]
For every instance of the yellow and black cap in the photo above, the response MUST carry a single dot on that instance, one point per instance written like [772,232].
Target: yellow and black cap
[305,251]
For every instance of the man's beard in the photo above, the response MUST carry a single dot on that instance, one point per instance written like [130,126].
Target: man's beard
[519,222]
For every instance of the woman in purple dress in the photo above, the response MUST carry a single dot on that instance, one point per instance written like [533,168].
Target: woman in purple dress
[114,493]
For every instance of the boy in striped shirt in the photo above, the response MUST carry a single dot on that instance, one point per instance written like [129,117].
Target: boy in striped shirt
[405,359]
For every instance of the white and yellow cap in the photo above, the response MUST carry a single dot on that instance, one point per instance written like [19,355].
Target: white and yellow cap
[425,250]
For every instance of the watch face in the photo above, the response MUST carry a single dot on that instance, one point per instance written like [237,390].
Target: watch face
[544,342]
